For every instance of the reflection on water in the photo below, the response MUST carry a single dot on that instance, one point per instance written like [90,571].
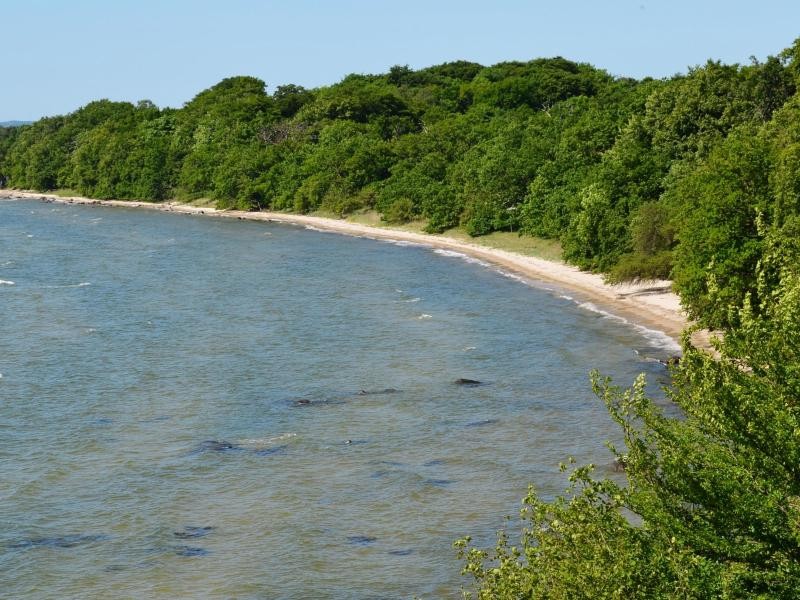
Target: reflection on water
[191,408]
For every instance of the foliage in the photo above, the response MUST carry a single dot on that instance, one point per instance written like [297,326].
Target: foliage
[683,176]
[711,502]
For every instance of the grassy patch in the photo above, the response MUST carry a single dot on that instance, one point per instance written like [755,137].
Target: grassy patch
[500,240]
[64,193]
[512,242]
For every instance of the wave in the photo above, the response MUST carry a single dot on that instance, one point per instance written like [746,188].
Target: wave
[6,282]
[657,338]
[408,301]
[462,256]
[402,243]
[513,276]
[69,285]
[424,316]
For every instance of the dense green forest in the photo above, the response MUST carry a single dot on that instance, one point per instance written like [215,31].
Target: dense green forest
[681,177]
[695,177]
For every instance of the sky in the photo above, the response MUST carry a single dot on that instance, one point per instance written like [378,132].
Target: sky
[58,55]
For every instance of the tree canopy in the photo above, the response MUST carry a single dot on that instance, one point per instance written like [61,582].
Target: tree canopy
[637,179]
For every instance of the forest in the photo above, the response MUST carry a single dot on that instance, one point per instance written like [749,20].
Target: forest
[695,178]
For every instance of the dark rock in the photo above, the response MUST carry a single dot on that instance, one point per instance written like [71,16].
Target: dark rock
[64,541]
[465,381]
[273,450]
[361,540]
[482,423]
[378,392]
[438,482]
[191,551]
[218,446]
[193,532]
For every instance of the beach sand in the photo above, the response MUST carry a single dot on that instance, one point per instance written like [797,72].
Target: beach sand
[650,304]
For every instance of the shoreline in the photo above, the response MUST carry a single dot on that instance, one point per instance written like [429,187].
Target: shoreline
[648,304]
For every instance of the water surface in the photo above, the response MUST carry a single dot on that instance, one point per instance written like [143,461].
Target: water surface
[198,407]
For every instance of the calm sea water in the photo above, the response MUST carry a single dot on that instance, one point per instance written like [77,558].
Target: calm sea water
[182,410]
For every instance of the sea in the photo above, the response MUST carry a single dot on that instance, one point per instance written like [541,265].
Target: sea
[195,407]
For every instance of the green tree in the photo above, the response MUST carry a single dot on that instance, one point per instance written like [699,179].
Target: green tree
[711,503]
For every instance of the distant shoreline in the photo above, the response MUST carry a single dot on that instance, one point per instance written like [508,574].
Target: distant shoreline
[649,304]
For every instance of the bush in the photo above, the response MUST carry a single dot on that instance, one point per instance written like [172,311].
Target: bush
[400,211]
[641,267]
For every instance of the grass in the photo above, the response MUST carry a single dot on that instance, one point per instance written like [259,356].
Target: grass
[499,240]
[512,242]
[64,193]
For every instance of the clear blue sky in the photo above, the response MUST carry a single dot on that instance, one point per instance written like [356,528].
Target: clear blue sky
[61,54]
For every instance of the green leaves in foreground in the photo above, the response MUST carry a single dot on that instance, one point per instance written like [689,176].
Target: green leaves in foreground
[711,508]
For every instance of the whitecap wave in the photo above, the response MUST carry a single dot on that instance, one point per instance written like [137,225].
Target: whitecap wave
[6,282]
[591,307]
[408,301]
[462,256]
[513,276]
[401,243]
[655,337]
[659,339]
[424,316]
[67,285]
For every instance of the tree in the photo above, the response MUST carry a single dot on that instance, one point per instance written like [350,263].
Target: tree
[711,503]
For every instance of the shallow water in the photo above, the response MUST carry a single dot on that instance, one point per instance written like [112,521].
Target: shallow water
[178,394]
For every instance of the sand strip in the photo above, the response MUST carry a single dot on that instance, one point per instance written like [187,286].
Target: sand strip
[650,304]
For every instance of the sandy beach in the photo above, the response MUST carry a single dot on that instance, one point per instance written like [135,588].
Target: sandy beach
[650,304]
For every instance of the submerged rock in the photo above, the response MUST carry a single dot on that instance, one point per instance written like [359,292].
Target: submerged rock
[272,450]
[481,423]
[64,541]
[377,392]
[671,361]
[218,446]
[361,540]
[191,551]
[193,532]
[438,482]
